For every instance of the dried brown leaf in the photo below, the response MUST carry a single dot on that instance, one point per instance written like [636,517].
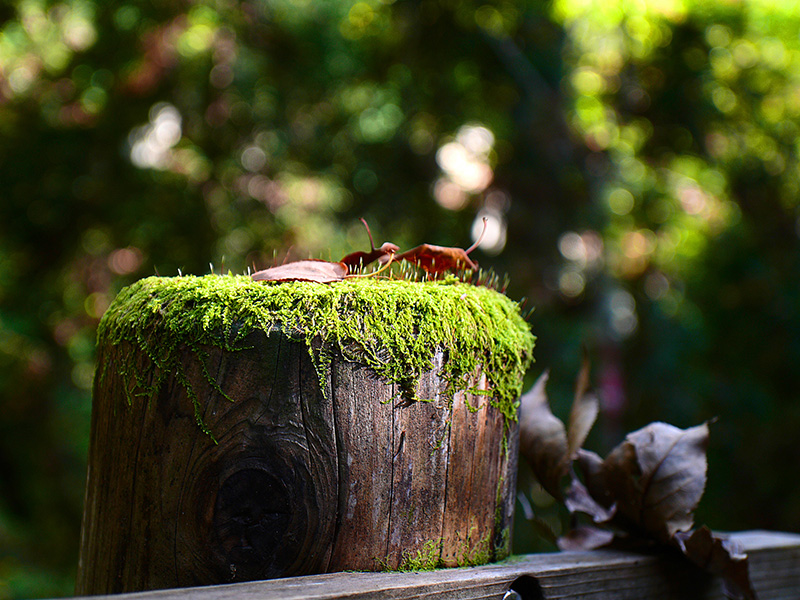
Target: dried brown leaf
[585,408]
[581,419]
[582,381]
[436,260]
[578,500]
[719,556]
[318,271]
[356,260]
[657,477]
[591,466]
[543,438]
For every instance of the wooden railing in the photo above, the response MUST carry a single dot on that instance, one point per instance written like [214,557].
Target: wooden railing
[597,575]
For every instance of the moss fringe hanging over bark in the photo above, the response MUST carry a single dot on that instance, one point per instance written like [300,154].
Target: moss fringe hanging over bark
[392,326]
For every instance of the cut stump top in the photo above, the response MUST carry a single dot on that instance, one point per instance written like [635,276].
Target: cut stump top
[395,327]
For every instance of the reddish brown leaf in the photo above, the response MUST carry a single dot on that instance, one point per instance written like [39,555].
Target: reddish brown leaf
[439,259]
[543,438]
[657,477]
[318,271]
[359,259]
[720,556]
[383,254]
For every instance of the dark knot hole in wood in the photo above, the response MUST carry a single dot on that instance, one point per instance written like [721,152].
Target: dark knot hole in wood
[525,588]
[252,514]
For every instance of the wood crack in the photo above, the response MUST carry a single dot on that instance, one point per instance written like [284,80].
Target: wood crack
[391,512]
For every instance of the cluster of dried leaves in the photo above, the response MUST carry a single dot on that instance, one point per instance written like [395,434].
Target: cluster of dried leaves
[434,260]
[645,491]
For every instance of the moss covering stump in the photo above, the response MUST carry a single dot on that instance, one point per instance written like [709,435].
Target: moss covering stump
[243,430]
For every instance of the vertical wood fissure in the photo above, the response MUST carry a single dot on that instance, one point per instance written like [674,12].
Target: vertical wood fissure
[446,482]
[274,377]
[303,411]
[391,513]
[317,416]
[184,479]
[340,460]
[473,460]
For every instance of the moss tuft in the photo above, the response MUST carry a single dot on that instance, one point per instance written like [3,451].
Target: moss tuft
[392,326]
[424,559]
[475,552]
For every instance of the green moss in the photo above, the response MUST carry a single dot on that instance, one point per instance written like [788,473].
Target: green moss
[392,326]
[428,557]
[424,559]
[476,553]
[502,546]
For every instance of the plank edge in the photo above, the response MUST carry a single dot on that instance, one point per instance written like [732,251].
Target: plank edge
[383,585]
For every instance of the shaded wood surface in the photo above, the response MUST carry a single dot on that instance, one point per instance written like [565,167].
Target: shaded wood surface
[298,481]
[596,575]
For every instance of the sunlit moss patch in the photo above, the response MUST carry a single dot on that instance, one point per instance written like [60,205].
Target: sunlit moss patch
[392,326]
[424,559]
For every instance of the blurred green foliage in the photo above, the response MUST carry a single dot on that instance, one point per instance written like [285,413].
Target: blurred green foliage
[638,162]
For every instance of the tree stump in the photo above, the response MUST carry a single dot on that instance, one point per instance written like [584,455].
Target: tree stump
[245,431]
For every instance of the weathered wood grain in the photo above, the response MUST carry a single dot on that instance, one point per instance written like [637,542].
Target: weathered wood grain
[481,467]
[295,481]
[419,470]
[365,443]
[596,575]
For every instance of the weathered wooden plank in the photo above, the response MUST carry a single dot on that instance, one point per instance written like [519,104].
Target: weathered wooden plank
[459,529]
[597,575]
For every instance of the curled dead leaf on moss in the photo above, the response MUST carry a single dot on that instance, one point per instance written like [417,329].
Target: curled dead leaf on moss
[317,271]
[436,260]
[313,270]
[357,260]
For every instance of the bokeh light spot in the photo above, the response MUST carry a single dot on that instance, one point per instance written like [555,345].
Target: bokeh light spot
[494,236]
[620,201]
[125,261]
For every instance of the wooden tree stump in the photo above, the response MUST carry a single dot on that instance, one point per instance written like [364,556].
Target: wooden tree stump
[245,431]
